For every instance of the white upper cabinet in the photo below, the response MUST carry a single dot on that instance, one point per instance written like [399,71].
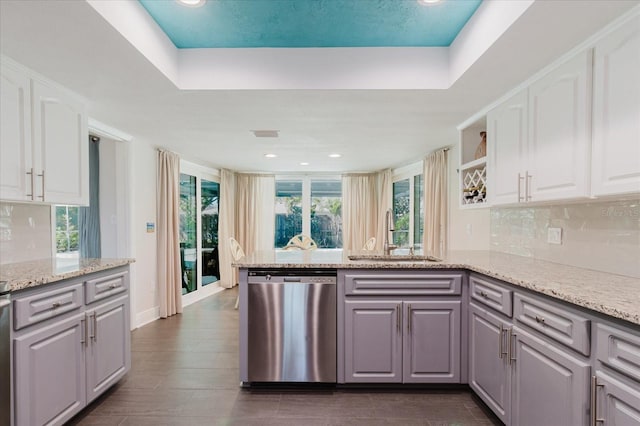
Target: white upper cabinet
[558,165]
[506,149]
[61,147]
[616,112]
[43,142]
[15,135]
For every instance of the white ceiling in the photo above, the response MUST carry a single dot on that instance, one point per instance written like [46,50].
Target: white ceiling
[69,42]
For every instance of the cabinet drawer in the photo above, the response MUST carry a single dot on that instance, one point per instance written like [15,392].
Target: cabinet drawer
[105,287]
[42,306]
[491,294]
[618,350]
[403,284]
[555,322]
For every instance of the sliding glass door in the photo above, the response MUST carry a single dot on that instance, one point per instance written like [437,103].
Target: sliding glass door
[199,257]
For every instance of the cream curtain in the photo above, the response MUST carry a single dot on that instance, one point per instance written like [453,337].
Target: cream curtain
[435,203]
[365,199]
[255,212]
[227,227]
[168,238]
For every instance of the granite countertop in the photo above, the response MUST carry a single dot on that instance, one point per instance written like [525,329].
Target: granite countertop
[614,295]
[37,272]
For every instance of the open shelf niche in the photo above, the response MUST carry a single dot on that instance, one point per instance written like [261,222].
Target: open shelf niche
[473,165]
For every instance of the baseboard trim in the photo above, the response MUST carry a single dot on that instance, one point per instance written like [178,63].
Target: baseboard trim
[148,316]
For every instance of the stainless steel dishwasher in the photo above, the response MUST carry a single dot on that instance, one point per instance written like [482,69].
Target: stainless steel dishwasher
[292,325]
[5,344]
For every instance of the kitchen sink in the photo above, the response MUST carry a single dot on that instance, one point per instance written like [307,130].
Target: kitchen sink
[393,257]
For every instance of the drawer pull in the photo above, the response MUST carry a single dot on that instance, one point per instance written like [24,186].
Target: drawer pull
[484,294]
[112,286]
[56,305]
[539,320]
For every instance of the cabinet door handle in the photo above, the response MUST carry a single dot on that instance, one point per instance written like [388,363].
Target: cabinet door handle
[501,342]
[95,327]
[409,318]
[527,185]
[511,354]
[520,178]
[398,326]
[83,331]
[594,402]
[42,176]
[33,189]
[91,325]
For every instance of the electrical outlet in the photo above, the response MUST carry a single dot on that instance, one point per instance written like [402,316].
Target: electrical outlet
[554,235]
[469,229]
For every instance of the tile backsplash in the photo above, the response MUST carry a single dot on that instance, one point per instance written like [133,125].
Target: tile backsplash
[25,232]
[604,236]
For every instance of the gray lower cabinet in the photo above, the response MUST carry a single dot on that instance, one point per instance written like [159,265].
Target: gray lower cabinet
[373,341]
[550,385]
[109,345]
[616,400]
[401,341]
[489,364]
[49,373]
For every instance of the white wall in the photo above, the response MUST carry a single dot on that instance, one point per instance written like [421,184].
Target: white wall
[143,209]
[468,229]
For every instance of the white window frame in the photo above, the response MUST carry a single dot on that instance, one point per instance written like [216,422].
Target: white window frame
[200,172]
[409,171]
[306,196]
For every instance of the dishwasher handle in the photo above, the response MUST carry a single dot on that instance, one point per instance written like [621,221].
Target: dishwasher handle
[292,279]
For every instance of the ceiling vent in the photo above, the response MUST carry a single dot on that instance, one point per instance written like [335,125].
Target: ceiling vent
[266,133]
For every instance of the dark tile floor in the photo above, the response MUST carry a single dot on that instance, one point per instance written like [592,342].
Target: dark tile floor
[185,372]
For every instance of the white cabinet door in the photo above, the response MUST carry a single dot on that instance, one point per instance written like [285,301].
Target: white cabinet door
[61,147]
[506,145]
[616,112]
[15,135]
[559,132]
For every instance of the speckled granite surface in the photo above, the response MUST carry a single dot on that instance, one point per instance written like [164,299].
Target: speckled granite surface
[614,295]
[37,272]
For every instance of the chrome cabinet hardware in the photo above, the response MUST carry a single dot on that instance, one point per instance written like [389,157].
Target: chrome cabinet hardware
[91,324]
[409,318]
[33,189]
[42,176]
[484,294]
[511,353]
[56,305]
[520,179]
[95,327]
[594,402]
[539,320]
[112,286]
[527,186]
[398,326]
[501,342]
[83,331]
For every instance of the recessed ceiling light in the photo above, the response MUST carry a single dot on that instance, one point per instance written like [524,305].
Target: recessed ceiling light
[428,1]
[304,163]
[192,3]
[270,155]
[335,155]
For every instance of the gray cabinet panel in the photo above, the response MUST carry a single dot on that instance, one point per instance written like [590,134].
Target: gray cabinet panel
[555,322]
[432,342]
[489,368]
[109,345]
[49,373]
[617,401]
[401,283]
[373,341]
[619,350]
[104,287]
[550,386]
[43,305]
[491,294]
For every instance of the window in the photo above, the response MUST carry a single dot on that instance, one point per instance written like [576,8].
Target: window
[310,206]
[67,236]
[408,208]
[199,207]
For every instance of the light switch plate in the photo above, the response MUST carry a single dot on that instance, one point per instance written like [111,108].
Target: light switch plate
[554,235]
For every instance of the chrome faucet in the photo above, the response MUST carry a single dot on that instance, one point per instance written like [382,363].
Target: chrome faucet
[388,227]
